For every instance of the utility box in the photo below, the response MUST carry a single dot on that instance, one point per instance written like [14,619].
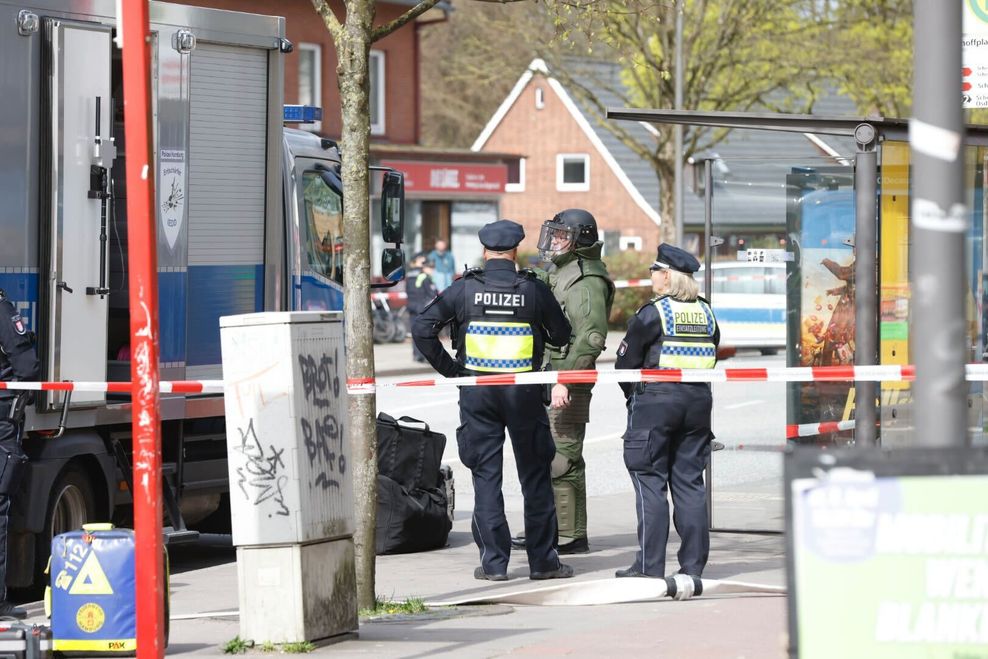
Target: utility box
[291,491]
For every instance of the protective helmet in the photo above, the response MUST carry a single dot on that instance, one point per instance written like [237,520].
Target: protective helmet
[566,231]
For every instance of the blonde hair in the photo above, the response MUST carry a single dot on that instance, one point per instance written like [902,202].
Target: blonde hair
[682,286]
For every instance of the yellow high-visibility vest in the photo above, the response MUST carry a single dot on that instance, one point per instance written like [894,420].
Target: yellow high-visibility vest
[687,334]
[499,346]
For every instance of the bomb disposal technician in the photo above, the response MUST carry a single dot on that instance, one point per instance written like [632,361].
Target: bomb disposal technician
[501,320]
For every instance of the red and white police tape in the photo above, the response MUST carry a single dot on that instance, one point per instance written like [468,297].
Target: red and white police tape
[359,386]
[631,283]
[814,429]
[176,387]
[888,373]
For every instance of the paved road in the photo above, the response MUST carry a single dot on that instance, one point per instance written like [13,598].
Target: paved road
[749,418]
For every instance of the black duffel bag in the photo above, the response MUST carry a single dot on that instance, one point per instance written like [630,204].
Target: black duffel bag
[413,506]
[410,520]
[407,454]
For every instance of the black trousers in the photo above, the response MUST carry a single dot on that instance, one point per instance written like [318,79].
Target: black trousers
[416,354]
[667,444]
[485,412]
[10,438]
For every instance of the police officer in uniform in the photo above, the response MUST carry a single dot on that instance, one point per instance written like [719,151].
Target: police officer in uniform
[668,436]
[501,320]
[18,362]
[419,289]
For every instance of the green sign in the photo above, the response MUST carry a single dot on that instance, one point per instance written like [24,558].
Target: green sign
[892,567]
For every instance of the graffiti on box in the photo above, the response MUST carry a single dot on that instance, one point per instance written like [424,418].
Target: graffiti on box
[322,430]
[262,477]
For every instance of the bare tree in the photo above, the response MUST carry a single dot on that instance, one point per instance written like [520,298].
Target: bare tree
[469,64]
[738,55]
[353,35]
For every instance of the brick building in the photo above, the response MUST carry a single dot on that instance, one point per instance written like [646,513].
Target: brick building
[567,161]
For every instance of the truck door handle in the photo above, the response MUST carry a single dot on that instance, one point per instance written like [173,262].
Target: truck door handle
[63,286]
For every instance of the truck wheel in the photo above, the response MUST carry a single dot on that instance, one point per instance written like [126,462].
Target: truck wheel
[71,504]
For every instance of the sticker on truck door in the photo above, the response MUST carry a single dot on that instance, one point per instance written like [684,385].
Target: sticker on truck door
[172,194]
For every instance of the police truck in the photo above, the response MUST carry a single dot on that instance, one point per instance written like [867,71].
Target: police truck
[249,218]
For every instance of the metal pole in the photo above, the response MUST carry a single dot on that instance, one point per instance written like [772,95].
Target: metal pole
[939,226]
[865,280]
[142,278]
[708,225]
[677,195]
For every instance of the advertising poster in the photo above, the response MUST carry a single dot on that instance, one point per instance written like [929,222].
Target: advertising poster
[826,305]
[889,566]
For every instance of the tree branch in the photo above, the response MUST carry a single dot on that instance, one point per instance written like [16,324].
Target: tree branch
[329,18]
[410,15]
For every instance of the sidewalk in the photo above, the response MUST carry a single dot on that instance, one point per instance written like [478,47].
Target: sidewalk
[728,626]
[395,359]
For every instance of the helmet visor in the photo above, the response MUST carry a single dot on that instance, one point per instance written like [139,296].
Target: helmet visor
[556,239]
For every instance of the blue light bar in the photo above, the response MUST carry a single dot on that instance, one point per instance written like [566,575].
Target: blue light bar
[302,114]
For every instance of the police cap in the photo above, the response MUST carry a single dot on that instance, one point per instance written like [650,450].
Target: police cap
[674,258]
[501,236]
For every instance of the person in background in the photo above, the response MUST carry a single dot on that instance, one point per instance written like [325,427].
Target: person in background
[445,264]
[668,437]
[420,291]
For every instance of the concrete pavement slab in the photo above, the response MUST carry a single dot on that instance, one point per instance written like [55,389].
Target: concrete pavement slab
[729,626]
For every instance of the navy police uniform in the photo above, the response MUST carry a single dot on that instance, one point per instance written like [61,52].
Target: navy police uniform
[501,320]
[420,290]
[667,440]
[18,361]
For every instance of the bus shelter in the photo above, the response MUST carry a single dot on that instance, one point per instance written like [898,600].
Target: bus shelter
[830,272]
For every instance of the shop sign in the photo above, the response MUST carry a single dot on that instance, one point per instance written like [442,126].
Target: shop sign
[453,178]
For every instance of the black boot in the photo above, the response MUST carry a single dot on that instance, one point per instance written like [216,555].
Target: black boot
[562,572]
[575,546]
[8,610]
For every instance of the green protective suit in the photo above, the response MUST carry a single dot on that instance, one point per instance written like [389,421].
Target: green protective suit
[584,289]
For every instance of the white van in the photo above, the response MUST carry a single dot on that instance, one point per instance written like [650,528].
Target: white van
[749,300]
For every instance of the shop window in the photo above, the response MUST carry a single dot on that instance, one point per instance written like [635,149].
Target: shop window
[323,246]
[516,176]
[377,92]
[573,172]
[630,243]
[310,79]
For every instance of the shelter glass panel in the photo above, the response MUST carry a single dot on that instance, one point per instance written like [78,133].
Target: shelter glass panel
[780,285]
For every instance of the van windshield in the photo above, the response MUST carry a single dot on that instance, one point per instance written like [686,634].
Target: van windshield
[322,227]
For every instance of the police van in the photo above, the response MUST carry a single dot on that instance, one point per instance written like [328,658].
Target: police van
[749,301]
[249,218]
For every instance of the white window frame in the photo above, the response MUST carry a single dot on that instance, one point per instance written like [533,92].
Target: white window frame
[520,185]
[630,242]
[540,98]
[377,60]
[561,159]
[316,49]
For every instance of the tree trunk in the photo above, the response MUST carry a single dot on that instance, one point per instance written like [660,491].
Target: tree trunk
[667,200]
[354,51]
